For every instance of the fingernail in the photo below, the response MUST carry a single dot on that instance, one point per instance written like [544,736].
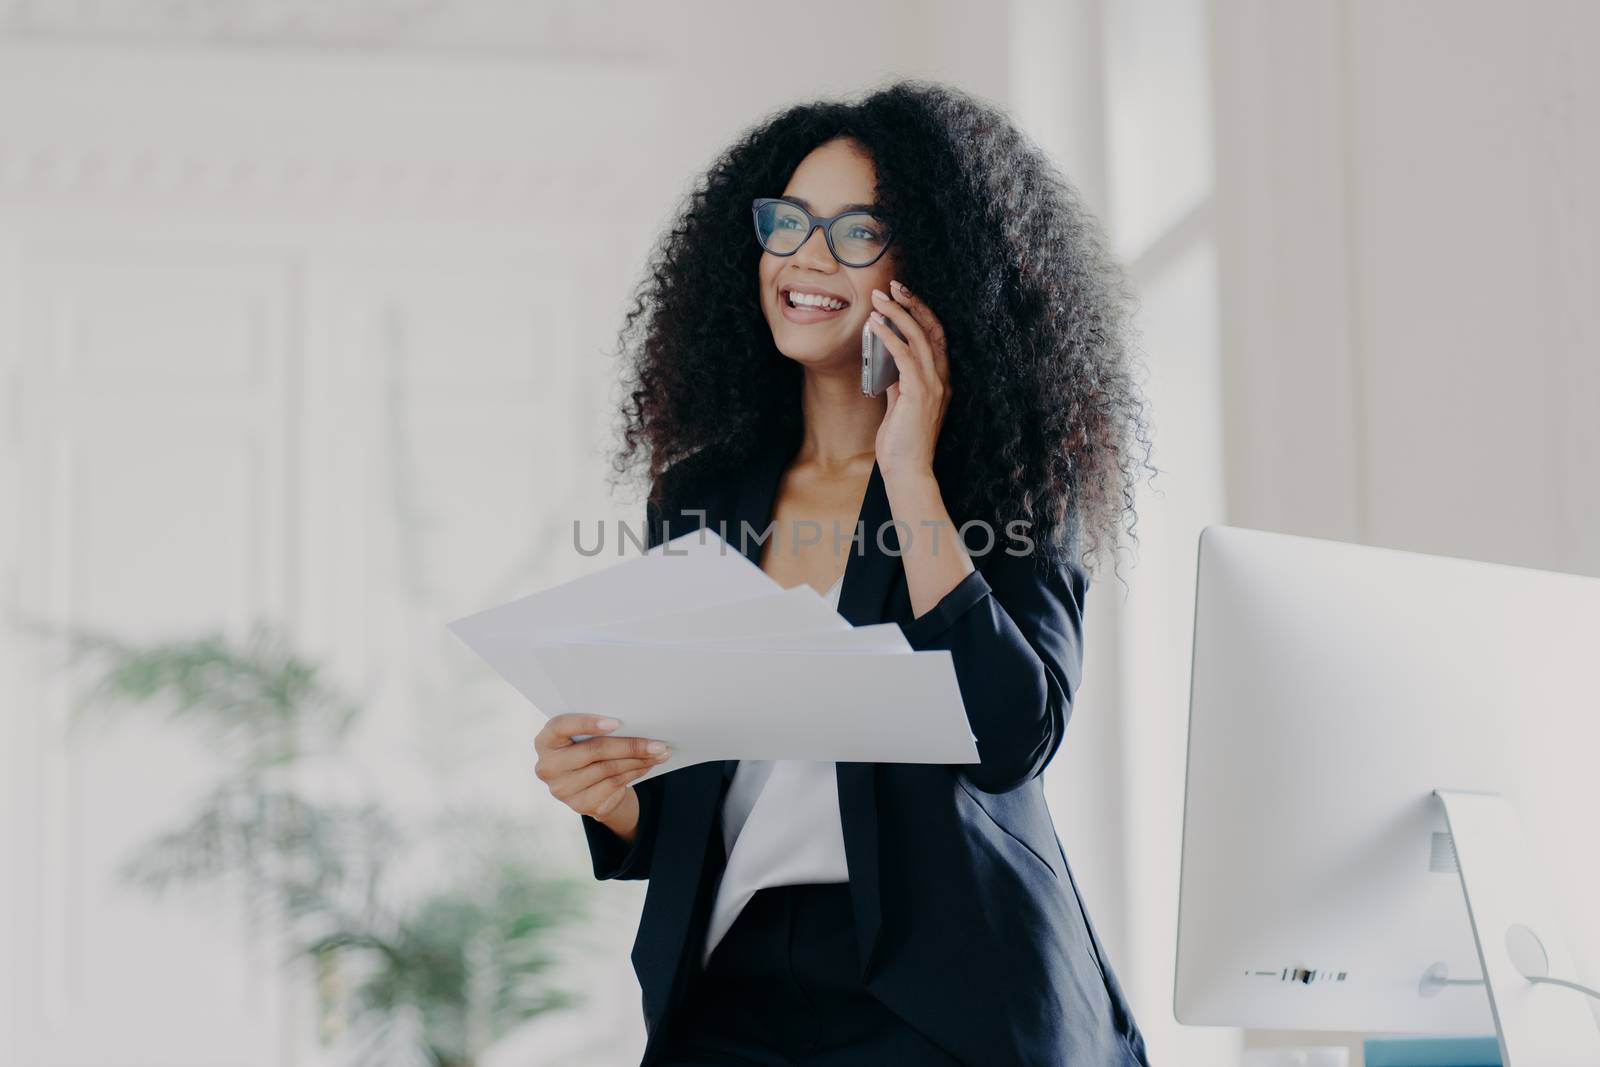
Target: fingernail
[661,756]
[895,285]
[879,294]
[656,746]
[877,316]
[608,724]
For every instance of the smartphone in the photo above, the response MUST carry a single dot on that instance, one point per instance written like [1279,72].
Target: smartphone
[878,371]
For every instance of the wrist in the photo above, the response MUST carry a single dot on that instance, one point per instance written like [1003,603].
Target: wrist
[911,480]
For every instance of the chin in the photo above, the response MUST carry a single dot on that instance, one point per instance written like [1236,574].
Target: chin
[816,360]
[814,353]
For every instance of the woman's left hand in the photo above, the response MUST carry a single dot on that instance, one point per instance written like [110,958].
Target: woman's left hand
[917,402]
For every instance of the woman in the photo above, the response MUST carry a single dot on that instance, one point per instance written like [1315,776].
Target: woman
[890,913]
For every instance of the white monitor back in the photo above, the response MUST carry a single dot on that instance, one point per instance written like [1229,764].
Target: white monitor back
[1334,687]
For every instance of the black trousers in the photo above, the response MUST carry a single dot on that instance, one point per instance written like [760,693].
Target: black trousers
[783,988]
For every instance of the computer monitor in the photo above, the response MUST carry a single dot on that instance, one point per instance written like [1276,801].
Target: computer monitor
[1334,688]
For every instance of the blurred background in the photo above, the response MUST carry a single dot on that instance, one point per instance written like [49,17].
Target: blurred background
[305,313]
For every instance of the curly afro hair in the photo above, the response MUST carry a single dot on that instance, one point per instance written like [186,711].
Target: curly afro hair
[1046,422]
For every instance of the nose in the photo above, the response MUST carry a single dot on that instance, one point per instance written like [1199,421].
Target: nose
[814,253]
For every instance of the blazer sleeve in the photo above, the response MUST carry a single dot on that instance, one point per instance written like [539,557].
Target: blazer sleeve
[615,858]
[611,855]
[1015,634]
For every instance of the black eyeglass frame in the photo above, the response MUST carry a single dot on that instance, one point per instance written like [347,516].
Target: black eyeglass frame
[812,222]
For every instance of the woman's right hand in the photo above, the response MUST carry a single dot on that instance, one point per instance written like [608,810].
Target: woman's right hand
[592,776]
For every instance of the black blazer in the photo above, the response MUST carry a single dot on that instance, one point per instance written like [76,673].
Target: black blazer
[969,921]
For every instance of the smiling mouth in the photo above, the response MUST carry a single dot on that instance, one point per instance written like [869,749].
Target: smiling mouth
[812,304]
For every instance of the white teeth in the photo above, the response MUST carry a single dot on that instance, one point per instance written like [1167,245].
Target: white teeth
[809,300]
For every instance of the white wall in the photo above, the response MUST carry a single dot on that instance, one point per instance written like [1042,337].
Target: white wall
[292,336]
[1410,268]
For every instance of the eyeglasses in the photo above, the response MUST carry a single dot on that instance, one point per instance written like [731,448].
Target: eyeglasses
[856,238]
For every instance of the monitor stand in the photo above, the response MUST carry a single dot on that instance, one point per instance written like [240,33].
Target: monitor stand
[1539,1025]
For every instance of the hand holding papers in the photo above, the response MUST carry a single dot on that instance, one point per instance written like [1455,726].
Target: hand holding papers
[694,645]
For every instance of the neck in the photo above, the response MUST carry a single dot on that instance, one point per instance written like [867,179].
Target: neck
[840,424]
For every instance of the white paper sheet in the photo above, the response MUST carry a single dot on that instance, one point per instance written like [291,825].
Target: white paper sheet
[695,645]
[791,611]
[879,637]
[694,570]
[713,704]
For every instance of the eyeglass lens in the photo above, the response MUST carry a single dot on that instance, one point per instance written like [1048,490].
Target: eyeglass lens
[857,238]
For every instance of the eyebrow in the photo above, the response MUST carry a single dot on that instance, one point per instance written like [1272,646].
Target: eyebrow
[803,202]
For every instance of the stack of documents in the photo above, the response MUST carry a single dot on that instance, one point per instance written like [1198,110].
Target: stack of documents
[694,645]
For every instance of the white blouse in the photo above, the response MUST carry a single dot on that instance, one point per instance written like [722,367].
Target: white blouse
[780,825]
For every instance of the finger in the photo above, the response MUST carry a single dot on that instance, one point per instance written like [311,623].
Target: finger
[582,753]
[932,328]
[913,369]
[916,339]
[603,797]
[558,730]
[609,805]
[570,785]
[569,758]
[899,314]
[918,308]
